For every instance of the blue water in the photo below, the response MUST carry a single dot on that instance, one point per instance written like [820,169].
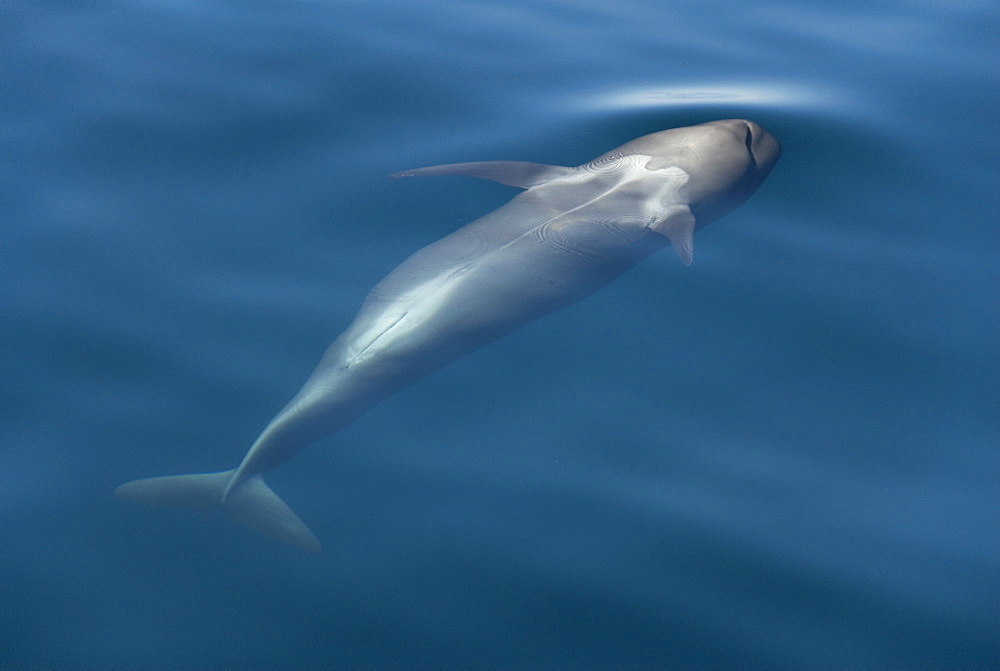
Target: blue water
[784,456]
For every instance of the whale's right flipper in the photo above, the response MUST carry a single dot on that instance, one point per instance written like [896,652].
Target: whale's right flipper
[252,503]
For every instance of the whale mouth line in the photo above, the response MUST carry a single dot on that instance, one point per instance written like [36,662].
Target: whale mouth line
[749,143]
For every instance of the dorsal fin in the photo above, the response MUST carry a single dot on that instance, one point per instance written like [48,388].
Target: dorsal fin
[523,174]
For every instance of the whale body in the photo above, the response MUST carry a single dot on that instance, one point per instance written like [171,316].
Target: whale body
[570,232]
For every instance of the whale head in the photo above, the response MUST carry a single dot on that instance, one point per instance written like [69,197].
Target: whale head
[725,161]
[680,179]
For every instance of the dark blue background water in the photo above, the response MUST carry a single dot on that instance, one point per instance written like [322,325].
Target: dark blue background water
[783,456]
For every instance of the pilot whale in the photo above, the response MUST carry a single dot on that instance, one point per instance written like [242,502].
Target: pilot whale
[570,232]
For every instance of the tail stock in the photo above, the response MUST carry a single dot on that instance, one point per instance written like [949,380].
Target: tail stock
[251,503]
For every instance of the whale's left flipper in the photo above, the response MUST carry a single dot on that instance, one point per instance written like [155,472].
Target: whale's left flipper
[252,503]
[522,174]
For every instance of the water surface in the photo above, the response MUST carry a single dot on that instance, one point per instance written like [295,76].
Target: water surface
[783,456]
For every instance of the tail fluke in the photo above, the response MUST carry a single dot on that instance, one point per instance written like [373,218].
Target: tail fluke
[251,503]
[255,505]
